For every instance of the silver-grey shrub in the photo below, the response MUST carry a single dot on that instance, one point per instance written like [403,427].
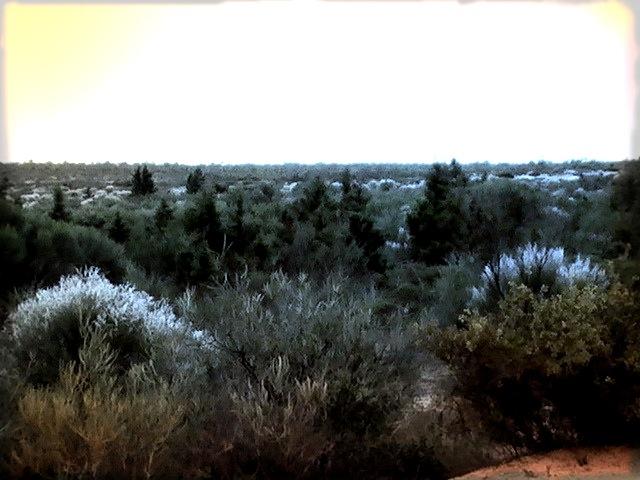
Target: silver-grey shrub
[48,329]
[325,332]
[543,269]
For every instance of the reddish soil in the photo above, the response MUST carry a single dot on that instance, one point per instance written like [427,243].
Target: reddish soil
[596,464]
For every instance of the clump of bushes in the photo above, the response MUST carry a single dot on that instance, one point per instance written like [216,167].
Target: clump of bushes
[312,372]
[539,268]
[36,251]
[551,370]
[50,328]
[283,421]
[95,423]
[324,332]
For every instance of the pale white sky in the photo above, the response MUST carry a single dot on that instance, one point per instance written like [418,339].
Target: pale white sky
[320,81]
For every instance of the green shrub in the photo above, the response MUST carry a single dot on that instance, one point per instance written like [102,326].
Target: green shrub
[59,212]
[626,200]
[55,249]
[90,423]
[324,332]
[195,181]
[451,292]
[281,425]
[549,371]
[436,223]
[203,221]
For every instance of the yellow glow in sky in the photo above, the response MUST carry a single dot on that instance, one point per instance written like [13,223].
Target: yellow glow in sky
[313,81]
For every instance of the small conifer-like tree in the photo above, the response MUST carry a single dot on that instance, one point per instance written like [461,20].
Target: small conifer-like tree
[346,181]
[195,181]
[59,212]
[119,231]
[626,200]
[142,182]
[436,223]
[163,215]
[147,181]
[4,186]
[363,232]
[239,233]
[203,220]
[136,182]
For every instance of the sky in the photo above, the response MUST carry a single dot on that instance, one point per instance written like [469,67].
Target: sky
[309,81]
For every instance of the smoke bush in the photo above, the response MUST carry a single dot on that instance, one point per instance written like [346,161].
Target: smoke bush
[540,268]
[49,328]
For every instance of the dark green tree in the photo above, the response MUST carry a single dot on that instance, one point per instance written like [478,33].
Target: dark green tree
[268,192]
[239,235]
[142,182]
[4,186]
[58,212]
[203,220]
[346,181]
[287,226]
[163,215]
[314,201]
[194,266]
[626,200]
[354,200]
[436,223]
[499,219]
[119,231]
[136,183]
[195,181]
[363,232]
[148,184]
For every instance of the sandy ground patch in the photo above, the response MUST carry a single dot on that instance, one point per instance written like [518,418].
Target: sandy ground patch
[594,464]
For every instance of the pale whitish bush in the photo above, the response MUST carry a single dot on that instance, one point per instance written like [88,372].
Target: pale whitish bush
[88,297]
[537,267]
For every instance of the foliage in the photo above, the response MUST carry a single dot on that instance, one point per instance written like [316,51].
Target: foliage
[314,372]
[163,215]
[499,217]
[142,182]
[37,251]
[4,187]
[240,235]
[323,332]
[50,328]
[626,199]
[282,420]
[543,270]
[551,371]
[195,181]
[90,423]
[58,212]
[118,231]
[435,223]
[203,220]
[369,239]
[451,292]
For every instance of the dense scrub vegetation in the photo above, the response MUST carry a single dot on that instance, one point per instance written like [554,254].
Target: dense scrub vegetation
[314,322]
